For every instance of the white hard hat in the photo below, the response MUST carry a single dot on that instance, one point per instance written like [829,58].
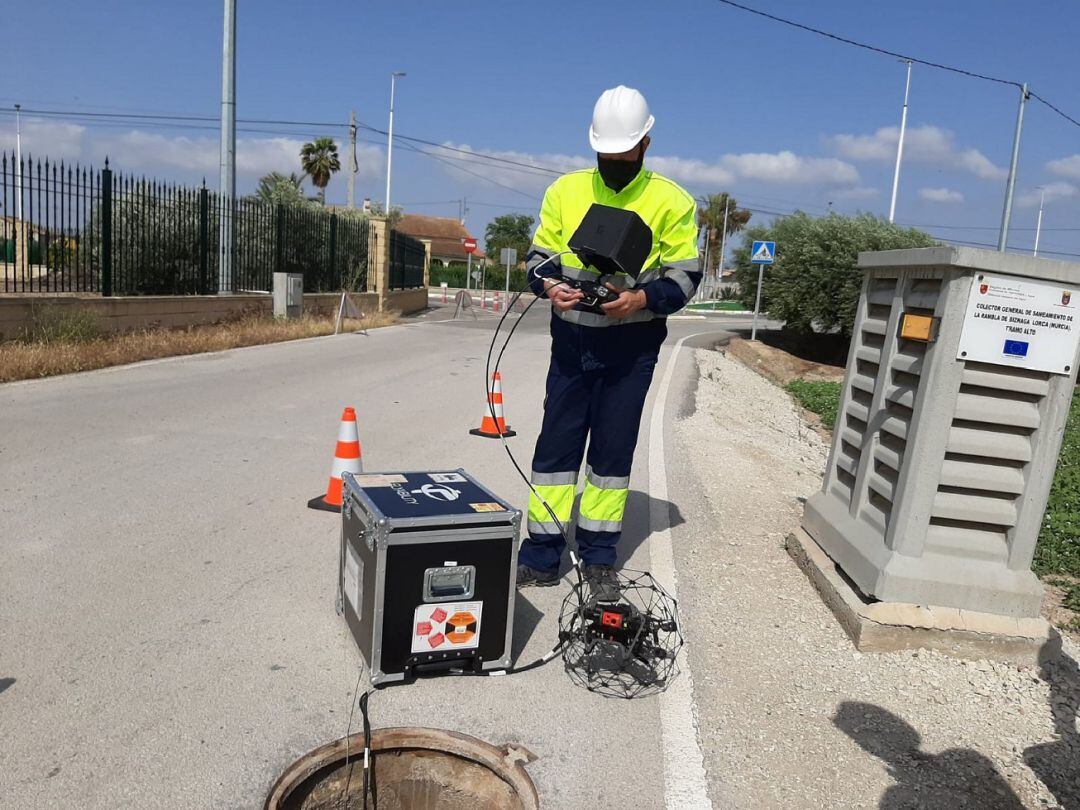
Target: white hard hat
[620,120]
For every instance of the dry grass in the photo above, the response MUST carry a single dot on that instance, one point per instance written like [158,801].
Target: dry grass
[23,360]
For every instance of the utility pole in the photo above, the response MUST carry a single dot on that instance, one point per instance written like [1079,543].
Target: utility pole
[900,145]
[1010,185]
[18,163]
[705,263]
[1038,222]
[390,138]
[227,182]
[353,167]
[723,247]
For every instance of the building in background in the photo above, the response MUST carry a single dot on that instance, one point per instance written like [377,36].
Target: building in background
[445,234]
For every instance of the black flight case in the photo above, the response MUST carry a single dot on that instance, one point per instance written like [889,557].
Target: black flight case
[426,572]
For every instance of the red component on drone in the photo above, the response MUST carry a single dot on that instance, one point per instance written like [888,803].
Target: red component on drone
[611,619]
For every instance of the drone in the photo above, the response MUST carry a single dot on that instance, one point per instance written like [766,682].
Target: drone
[626,648]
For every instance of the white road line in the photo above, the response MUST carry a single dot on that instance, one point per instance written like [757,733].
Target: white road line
[684,768]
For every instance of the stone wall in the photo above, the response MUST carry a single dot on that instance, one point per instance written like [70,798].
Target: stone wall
[18,312]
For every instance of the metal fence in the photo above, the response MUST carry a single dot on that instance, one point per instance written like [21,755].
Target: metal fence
[406,261]
[67,228]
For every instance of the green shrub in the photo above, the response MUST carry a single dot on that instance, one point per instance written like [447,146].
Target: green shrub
[63,325]
[814,284]
[494,277]
[1058,550]
[820,397]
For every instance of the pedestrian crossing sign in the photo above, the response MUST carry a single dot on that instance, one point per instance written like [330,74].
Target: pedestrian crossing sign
[763,252]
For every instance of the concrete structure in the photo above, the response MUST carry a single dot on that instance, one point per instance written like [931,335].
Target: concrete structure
[940,467]
[288,295]
[894,626]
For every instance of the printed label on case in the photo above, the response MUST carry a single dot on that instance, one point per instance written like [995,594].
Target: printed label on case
[354,578]
[442,627]
[487,507]
[378,479]
[447,478]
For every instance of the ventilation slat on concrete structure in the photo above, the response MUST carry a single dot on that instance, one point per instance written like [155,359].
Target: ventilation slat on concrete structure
[973,474]
[869,354]
[984,376]
[967,543]
[973,508]
[997,410]
[971,440]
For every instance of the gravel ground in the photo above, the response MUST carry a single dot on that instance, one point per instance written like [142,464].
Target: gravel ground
[790,714]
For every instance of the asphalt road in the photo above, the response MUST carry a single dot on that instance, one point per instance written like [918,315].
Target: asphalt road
[167,628]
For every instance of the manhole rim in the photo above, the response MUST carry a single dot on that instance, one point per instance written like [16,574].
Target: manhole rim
[504,762]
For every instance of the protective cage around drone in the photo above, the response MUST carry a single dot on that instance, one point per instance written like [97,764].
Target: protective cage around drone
[625,649]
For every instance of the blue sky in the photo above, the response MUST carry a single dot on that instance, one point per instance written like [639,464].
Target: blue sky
[782,118]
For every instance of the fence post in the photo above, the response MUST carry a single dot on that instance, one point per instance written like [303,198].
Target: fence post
[106,230]
[204,238]
[380,231]
[427,262]
[332,276]
[279,240]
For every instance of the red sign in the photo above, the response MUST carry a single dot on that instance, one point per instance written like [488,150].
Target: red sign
[469,245]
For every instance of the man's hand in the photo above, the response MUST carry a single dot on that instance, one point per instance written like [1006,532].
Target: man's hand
[563,297]
[628,302]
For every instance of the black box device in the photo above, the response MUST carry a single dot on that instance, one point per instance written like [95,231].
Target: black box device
[426,572]
[612,240]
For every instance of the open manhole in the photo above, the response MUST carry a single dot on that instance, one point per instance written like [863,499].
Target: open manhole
[412,769]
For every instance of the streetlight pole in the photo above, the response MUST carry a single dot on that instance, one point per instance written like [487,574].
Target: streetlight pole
[723,248]
[1038,222]
[227,178]
[18,164]
[390,138]
[1010,186]
[900,145]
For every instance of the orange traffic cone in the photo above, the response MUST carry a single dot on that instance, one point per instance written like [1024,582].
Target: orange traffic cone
[346,459]
[492,427]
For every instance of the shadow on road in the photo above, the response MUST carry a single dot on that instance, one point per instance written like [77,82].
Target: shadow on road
[957,778]
[636,528]
[1057,763]
[526,618]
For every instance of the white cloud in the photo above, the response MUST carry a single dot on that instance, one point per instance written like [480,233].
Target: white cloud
[941,195]
[856,193]
[1054,191]
[924,144]
[254,156]
[1066,167]
[787,167]
[782,168]
[697,172]
[54,139]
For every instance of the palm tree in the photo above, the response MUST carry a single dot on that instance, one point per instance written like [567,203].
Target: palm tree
[711,216]
[319,159]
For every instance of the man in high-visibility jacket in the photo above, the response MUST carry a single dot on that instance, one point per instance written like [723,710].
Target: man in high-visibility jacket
[602,364]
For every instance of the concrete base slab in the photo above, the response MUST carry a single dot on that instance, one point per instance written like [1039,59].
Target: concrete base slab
[893,626]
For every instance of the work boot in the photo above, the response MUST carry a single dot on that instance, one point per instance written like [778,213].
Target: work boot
[603,583]
[530,576]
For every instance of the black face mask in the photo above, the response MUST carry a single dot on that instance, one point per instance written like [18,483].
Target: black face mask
[617,174]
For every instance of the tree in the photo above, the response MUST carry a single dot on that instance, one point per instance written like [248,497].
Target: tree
[814,283]
[396,213]
[276,188]
[711,216]
[508,231]
[319,159]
